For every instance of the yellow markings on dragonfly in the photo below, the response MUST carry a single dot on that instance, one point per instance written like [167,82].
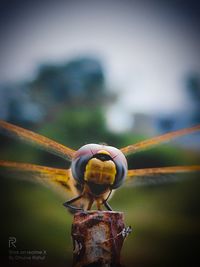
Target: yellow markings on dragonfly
[100,172]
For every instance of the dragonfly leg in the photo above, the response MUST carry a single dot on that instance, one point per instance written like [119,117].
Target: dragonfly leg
[90,204]
[68,203]
[105,203]
[99,204]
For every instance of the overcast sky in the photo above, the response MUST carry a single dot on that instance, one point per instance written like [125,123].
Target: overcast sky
[146,47]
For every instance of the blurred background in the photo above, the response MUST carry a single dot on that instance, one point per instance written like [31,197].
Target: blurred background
[102,71]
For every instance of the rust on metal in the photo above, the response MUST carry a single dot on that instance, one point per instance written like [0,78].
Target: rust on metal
[98,238]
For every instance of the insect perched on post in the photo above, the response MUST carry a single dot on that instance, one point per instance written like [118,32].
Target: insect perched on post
[96,169]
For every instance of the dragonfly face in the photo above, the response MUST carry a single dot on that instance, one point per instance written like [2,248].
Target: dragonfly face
[95,169]
[101,167]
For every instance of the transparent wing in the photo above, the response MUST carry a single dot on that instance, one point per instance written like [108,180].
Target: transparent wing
[60,179]
[157,140]
[158,175]
[37,139]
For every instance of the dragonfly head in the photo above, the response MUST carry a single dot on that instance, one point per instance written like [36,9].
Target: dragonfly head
[99,165]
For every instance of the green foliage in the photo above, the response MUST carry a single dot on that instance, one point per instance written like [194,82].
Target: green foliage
[76,127]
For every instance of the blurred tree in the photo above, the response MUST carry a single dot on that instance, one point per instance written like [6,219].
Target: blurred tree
[77,83]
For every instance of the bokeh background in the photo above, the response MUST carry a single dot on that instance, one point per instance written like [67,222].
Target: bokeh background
[102,71]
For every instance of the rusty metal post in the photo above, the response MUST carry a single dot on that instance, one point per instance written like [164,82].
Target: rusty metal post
[98,238]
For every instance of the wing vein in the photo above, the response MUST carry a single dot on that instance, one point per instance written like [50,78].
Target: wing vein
[37,139]
[157,140]
[37,173]
[162,170]
[150,176]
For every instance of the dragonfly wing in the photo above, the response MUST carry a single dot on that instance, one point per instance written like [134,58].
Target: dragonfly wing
[37,139]
[157,175]
[59,179]
[157,140]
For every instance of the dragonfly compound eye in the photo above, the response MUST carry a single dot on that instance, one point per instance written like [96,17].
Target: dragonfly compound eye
[121,168]
[82,156]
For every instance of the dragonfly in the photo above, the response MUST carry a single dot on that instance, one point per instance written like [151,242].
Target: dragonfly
[96,171]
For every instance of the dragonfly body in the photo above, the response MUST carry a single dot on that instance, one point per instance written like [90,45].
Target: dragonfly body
[95,169]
